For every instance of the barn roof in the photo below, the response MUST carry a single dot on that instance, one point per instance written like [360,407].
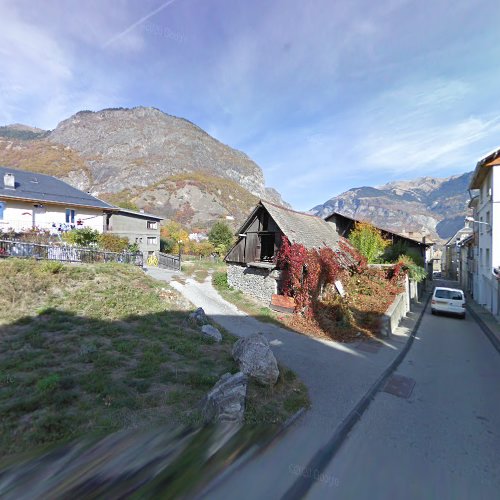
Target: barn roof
[299,227]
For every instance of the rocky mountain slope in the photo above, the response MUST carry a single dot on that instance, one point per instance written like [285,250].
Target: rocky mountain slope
[435,206]
[145,157]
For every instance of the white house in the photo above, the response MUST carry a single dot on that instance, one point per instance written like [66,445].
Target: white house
[29,200]
[486,179]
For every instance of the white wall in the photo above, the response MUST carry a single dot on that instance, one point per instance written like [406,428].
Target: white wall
[18,215]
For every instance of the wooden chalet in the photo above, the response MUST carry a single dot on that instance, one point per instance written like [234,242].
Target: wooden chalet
[259,238]
[251,261]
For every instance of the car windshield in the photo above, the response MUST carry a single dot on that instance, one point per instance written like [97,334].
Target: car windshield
[448,294]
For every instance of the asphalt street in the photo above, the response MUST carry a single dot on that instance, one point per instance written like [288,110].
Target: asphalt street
[441,442]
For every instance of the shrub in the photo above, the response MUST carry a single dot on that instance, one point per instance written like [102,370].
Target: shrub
[219,280]
[415,272]
[113,243]
[82,237]
[368,240]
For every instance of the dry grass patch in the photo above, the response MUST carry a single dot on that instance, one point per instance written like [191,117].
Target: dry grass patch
[94,348]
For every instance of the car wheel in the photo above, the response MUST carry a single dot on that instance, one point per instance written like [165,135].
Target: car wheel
[463,316]
[432,311]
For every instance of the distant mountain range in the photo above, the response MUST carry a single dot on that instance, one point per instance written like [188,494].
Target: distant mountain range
[144,157]
[432,206]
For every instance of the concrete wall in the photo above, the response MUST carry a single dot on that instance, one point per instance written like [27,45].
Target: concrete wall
[260,284]
[135,228]
[18,215]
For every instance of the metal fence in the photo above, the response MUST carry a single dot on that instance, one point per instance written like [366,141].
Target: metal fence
[23,249]
[167,261]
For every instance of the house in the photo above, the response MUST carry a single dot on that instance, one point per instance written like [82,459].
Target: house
[251,261]
[344,225]
[486,222]
[31,200]
[139,227]
[452,261]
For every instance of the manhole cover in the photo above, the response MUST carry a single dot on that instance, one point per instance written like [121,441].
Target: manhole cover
[399,386]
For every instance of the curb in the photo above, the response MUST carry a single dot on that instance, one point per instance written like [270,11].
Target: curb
[485,328]
[253,451]
[323,457]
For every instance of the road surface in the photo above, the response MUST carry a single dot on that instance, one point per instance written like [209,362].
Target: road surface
[443,441]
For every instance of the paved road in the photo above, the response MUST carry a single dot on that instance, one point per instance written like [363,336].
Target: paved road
[443,442]
[336,375]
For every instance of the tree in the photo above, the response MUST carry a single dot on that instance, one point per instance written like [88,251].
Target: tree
[368,240]
[174,232]
[221,237]
[82,237]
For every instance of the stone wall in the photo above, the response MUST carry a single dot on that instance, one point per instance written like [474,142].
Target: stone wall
[260,284]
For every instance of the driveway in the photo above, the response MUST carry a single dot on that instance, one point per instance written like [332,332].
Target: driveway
[337,376]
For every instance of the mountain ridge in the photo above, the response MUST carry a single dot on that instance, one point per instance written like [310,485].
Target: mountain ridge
[136,155]
[435,206]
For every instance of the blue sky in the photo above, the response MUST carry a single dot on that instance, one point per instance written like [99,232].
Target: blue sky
[324,95]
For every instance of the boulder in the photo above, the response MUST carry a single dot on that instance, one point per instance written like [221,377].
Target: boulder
[212,332]
[226,401]
[256,359]
[198,317]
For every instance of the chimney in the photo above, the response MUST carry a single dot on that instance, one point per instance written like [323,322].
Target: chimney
[9,181]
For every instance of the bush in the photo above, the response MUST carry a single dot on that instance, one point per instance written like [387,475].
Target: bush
[415,272]
[368,240]
[167,245]
[82,237]
[219,280]
[113,243]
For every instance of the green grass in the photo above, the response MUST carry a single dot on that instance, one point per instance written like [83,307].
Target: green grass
[94,348]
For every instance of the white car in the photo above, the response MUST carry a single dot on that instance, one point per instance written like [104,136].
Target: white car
[449,300]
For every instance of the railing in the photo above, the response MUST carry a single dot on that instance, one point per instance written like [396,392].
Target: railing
[167,261]
[20,249]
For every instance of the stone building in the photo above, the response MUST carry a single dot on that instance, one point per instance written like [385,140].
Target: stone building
[251,262]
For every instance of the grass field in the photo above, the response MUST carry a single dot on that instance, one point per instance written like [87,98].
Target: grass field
[96,348]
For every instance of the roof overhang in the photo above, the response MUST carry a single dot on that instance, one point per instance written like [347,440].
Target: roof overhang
[483,165]
[59,203]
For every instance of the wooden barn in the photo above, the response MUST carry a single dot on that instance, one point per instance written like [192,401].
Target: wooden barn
[251,261]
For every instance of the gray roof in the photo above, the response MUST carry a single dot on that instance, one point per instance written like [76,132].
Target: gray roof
[299,227]
[145,215]
[41,187]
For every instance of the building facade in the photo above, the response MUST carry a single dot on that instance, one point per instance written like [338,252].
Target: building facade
[486,179]
[139,227]
[30,200]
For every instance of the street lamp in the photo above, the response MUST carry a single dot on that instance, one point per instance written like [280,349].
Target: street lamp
[471,219]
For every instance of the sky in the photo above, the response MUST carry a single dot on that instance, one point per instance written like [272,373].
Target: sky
[324,95]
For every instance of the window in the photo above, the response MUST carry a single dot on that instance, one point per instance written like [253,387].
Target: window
[151,240]
[487,258]
[2,208]
[152,224]
[70,216]
[266,247]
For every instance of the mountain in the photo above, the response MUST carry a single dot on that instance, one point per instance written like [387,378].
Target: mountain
[142,156]
[435,206]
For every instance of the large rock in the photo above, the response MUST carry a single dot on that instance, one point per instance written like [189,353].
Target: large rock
[198,317]
[256,359]
[226,401]
[212,332]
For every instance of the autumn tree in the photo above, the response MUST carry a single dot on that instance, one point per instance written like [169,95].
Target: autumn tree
[368,240]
